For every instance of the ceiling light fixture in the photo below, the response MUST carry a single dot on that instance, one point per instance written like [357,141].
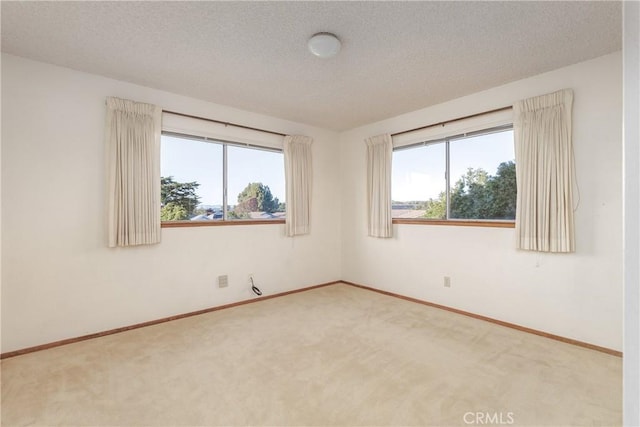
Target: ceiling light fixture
[324,45]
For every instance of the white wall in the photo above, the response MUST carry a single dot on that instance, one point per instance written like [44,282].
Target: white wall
[0,216]
[631,361]
[59,280]
[577,295]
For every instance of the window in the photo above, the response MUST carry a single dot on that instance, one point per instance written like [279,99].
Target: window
[211,180]
[462,177]
[418,178]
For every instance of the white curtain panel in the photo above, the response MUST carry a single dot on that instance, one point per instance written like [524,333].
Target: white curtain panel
[379,152]
[133,172]
[544,173]
[298,180]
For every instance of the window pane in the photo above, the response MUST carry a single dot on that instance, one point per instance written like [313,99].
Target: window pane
[483,177]
[191,173]
[255,184]
[418,182]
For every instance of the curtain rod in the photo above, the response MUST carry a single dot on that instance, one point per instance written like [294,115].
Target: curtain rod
[224,123]
[452,120]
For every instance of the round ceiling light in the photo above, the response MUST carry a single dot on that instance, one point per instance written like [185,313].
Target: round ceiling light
[324,45]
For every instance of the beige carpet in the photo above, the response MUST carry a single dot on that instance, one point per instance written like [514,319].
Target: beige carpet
[336,355]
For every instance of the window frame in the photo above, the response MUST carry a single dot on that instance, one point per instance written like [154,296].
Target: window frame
[223,222]
[470,222]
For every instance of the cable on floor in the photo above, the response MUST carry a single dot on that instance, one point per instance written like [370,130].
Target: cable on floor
[254,288]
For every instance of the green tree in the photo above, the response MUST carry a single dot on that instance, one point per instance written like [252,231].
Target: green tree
[178,198]
[237,214]
[503,191]
[173,212]
[436,208]
[478,195]
[470,196]
[257,197]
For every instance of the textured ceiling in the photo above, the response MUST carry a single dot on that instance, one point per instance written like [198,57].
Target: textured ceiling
[396,56]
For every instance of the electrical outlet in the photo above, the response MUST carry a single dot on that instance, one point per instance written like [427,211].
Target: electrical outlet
[447,281]
[223,281]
